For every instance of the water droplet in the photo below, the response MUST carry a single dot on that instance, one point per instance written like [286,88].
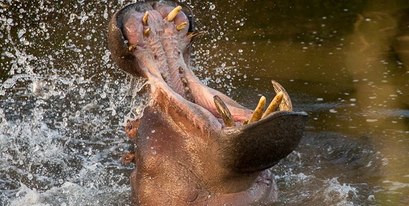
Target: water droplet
[371,120]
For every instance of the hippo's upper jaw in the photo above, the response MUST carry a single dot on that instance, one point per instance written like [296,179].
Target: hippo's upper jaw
[195,145]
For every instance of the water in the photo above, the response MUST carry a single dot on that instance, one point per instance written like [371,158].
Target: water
[63,102]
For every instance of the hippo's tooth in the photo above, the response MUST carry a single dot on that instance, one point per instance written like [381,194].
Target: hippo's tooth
[131,48]
[274,104]
[181,26]
[171,16]
[146,31]
[145,19]
[286,104]
[259,110]
[223,111]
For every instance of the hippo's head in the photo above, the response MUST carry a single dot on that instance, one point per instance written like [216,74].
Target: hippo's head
[195,145]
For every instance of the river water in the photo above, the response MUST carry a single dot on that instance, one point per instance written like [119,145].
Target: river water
[63,101]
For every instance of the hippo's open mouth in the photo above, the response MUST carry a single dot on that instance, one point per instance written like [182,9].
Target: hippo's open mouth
[152,39]
[158,36]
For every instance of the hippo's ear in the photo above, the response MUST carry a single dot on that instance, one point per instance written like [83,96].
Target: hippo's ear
[261,145]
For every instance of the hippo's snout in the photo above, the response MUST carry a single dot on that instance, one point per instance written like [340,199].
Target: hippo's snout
[194,144]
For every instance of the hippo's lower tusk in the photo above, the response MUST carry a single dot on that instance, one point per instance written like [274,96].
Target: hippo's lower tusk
[258,111]
[275,103]
[145,18]
[181,26]
[171,16]
[286,104]
[223,111]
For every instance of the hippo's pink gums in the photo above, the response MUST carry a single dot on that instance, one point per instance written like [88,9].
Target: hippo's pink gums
[194,145]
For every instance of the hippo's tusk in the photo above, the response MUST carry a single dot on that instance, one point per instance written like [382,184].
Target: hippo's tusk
[258,111]
[145,18]
[286,104]
[171,16]
[131,48]
[181,26]
[223,111]
[147,31]
[274,104]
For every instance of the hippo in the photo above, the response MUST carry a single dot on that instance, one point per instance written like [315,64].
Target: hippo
[193,144]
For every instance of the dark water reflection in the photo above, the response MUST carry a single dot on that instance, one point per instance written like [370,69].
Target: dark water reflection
[345,63]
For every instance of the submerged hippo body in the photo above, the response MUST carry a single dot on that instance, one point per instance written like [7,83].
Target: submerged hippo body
[193,144]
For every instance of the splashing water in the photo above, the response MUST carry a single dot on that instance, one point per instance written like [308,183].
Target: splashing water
[63,105]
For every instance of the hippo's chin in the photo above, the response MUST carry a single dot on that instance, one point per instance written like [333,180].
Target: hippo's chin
[194,144]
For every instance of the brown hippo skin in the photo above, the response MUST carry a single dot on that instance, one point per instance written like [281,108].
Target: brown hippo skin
[193,143]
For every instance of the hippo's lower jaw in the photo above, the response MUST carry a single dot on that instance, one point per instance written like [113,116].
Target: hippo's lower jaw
[195,145]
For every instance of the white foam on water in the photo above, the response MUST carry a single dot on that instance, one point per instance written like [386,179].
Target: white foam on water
[71,194]
[314,191]
[394,186]
[340,194]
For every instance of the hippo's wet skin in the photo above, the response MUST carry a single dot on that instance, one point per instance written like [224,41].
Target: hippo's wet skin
[193,143]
